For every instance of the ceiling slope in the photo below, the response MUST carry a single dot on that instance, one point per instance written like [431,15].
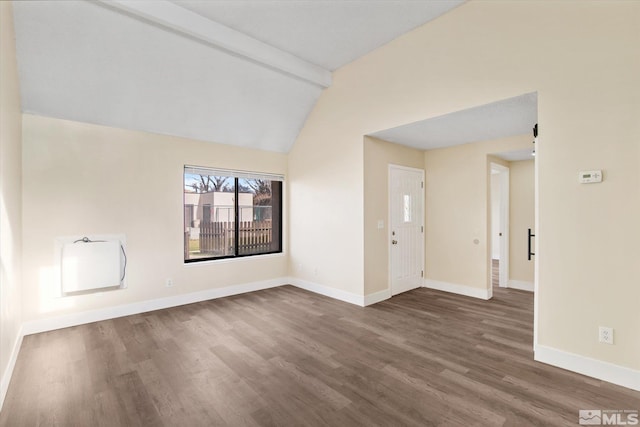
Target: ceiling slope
[163,67]
[183,21]
[329,33]
[84,62]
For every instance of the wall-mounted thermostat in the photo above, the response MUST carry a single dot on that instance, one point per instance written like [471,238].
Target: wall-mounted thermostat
[589,177]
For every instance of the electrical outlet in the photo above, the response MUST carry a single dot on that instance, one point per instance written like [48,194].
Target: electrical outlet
[169,283]
[605,335]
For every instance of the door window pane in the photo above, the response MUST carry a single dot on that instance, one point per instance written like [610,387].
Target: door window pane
[407,208]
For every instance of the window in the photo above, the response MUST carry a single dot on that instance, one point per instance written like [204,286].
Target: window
[231,213]
[407,208]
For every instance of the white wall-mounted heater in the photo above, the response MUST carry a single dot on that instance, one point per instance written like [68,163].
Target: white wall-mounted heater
[92,264]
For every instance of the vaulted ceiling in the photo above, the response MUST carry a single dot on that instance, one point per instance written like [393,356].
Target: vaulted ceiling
[245,73]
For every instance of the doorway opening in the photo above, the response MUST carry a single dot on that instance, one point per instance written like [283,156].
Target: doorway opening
[512,211]
[499,231]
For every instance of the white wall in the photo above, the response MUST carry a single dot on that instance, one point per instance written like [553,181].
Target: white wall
[10,198]
[582,59]
[82,179]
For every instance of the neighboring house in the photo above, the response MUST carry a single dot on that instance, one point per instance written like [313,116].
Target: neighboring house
[216,206]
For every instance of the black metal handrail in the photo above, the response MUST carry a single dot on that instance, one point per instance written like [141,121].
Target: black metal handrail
[530,254]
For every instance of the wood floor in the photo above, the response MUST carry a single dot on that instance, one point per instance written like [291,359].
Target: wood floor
[288,357]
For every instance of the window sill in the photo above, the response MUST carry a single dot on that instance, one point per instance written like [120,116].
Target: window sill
[232,260]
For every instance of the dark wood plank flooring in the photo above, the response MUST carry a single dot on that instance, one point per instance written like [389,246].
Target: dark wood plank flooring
[288,357]
[495,272]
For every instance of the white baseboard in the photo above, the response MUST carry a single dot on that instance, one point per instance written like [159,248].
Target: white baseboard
[458,289]
[65,321]
[327,291]
[377,297]
[605,371]
[8,372]
[74,319]
[520,284]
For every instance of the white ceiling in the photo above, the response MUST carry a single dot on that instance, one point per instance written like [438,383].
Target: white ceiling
[152,66]
[329,33]
[517,155]
[501,119]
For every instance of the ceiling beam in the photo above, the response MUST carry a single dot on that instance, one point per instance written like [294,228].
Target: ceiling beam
[170,15]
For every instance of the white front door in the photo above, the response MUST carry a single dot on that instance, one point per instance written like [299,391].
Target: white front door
[406,231]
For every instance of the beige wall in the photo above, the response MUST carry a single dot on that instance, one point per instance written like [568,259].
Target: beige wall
[326,198]
[521,217]
[584,66]
[10,194]
[378,155]
[82,179]
[458,210]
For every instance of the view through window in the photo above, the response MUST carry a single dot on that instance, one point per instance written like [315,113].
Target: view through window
[231,213]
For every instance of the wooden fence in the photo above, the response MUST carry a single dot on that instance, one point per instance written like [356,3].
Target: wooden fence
[217,238]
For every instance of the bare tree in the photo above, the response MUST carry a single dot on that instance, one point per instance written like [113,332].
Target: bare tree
[261,190]
[208,183]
